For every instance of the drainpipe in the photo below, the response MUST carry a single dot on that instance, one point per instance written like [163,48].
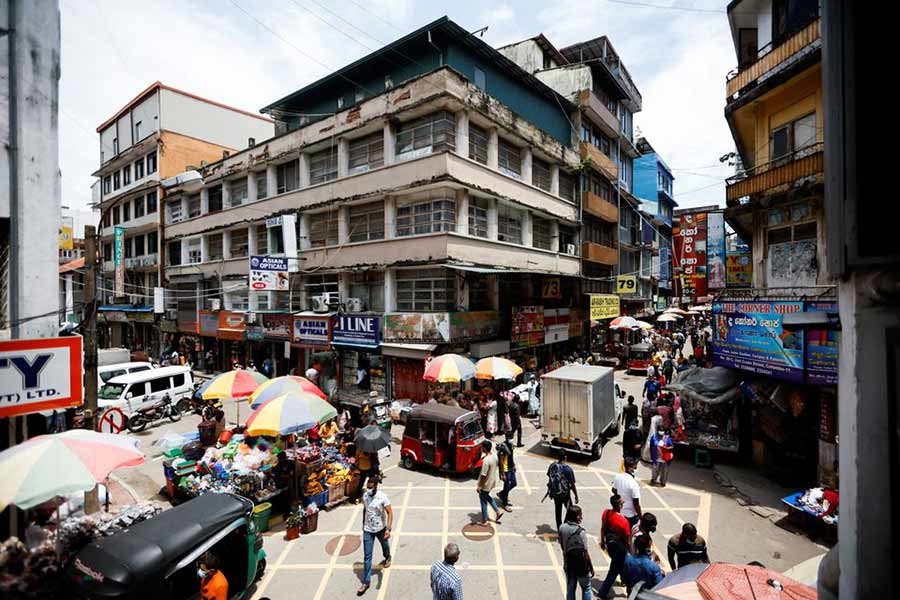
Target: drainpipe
[440,52]
[15,253]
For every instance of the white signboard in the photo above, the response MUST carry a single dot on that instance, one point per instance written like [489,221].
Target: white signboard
[41,374]
[269,274]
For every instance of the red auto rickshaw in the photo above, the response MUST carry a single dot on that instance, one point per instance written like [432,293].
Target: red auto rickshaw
[442,436]
[640,356]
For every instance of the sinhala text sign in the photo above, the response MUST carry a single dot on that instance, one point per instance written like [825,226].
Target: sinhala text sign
[42,374]
[604,306]
[751,336]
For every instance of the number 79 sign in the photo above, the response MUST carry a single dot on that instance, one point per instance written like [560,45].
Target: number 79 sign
[626,284]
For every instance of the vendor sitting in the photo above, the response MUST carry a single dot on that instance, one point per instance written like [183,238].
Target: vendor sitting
[329,432]
[213,584]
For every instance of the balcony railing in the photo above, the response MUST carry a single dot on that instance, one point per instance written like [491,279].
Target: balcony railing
[600,208]
[776,58]
[805,162]
[599,160]
[598,112]
[605,255]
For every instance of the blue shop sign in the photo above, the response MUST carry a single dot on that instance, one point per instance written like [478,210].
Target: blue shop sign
[356,330]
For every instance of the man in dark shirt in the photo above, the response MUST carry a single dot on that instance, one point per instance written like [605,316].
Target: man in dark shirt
[515,421]
[630,413]
[632,440]
[688,547]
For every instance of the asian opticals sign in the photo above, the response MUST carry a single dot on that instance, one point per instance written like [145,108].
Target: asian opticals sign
[42,374]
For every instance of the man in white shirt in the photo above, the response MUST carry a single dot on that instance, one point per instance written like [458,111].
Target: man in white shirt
[377,520]
[626,485]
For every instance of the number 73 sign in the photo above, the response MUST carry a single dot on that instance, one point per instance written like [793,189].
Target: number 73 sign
[626,284]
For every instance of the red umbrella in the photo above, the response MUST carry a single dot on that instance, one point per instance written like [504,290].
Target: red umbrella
[723,581]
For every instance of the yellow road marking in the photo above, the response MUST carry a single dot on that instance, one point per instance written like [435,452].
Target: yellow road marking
[703,516]
[446,509]
[501,578]
[560,576]
[386,575]
[665,504]
[270,572]
[323,583]
[524,479]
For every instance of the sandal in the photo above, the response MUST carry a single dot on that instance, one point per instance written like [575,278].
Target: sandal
[362,589]
[386,563]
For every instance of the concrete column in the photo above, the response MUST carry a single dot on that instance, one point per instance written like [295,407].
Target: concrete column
[462,133]
[226,194]
[184,251]
[526,165]
[554,180]
[344,285]
[554,236]
[226,244]
[493,148]
[185,204]
[527,229]
[303,242]
[204,248]
[253,301]
[251,187]
[304,170]
[252,239]
[204,202]
[492,219]
[390,144]
[390,290]
[462,211]
[390,216]
[271,180]
[462,291]
[343,224]
[343,157]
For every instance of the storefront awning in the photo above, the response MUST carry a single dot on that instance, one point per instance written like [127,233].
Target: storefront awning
[407,350]
[497,270]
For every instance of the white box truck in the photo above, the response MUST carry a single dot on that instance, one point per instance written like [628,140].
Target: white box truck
[580,406]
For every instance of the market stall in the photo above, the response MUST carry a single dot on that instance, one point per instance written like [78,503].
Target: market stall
[709,401]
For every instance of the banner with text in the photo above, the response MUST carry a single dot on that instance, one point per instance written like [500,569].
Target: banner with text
[604,306]
[689,246]
[715,250]
[269,274]
[40,374]
[527,327]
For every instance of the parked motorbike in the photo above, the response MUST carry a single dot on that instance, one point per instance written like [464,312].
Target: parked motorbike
[165,408]
[197,404]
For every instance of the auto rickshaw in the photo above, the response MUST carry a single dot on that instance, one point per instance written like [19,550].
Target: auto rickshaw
[639,357]
[363,410]
[158,558]
[446,437]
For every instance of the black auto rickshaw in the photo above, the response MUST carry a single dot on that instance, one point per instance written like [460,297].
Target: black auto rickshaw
[362,409]
[158,558]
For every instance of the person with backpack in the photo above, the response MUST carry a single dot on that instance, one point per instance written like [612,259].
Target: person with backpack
[507,470]
[561,485]
[576,560]
[615,539]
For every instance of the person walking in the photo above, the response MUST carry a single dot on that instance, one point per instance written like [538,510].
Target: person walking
[668,368]
[644,527]
[688,547]
[629,413]
[515,421]
[614,538]
[487,481]
[446,584]
[507,470]
[378,517]
[655,425]
[625,485]
[577,563]
[640,566]
[651,388]
[632,440]
[561,485]
[662,454]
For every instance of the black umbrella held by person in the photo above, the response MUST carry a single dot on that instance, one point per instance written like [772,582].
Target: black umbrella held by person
[372,438]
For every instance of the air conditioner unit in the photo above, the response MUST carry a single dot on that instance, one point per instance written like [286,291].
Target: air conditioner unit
[320,303]
[570,249]
[354,305]
[251,318]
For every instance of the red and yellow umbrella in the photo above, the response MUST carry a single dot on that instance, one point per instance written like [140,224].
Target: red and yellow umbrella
[282,385]
[496,367]
[238,383]
[449,368]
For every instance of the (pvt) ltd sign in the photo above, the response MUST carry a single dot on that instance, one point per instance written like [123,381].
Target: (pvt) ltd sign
[41,374]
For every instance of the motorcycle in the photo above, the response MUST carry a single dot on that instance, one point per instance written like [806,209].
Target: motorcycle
[197,404]
[145,416]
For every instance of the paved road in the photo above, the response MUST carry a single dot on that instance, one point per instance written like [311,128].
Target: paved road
[519,558]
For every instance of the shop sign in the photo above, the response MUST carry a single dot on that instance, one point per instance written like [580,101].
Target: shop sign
[188,326]
[476,325]
[417,327]
[626,284]
[119,260]
[209,323]
[550,289]
[576,322]
[269,273]
[715,250]
[604,306]
[664,264]
[356,330]
[750,336]
[115,316]
[277,326]
[232,325]
[689,247]
[142,317]
[822,346]
[527,327]
[739,270]
[660,303]
[40,374]
[254,333]
[167,326]
[312,331]
[556,333]
[66,234]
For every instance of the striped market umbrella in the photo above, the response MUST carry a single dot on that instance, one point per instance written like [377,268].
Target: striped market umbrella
[495,367]
[289,413]
[282,385]
[644,325]
[623,323]
[668,318]
[238,383]
[449,368]
[60,464]
[677,311]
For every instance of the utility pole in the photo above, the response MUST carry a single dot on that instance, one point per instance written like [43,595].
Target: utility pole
[89,332]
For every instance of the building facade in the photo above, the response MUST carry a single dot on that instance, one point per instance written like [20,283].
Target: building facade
[654,185]
[158,134]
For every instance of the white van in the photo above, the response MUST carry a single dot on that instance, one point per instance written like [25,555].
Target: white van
[135,391]
[107,372]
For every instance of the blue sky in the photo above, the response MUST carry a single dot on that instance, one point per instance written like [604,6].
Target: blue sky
[678,53]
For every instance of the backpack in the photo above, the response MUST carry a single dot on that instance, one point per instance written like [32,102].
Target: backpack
[558,485]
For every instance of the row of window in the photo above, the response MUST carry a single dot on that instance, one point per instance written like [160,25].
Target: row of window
[137,170]
[137,207]
[134,246]
[269,240]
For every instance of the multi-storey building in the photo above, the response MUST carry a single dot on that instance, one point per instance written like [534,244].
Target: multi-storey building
[423,196]
[592,76]
[158,134]
[654,184]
